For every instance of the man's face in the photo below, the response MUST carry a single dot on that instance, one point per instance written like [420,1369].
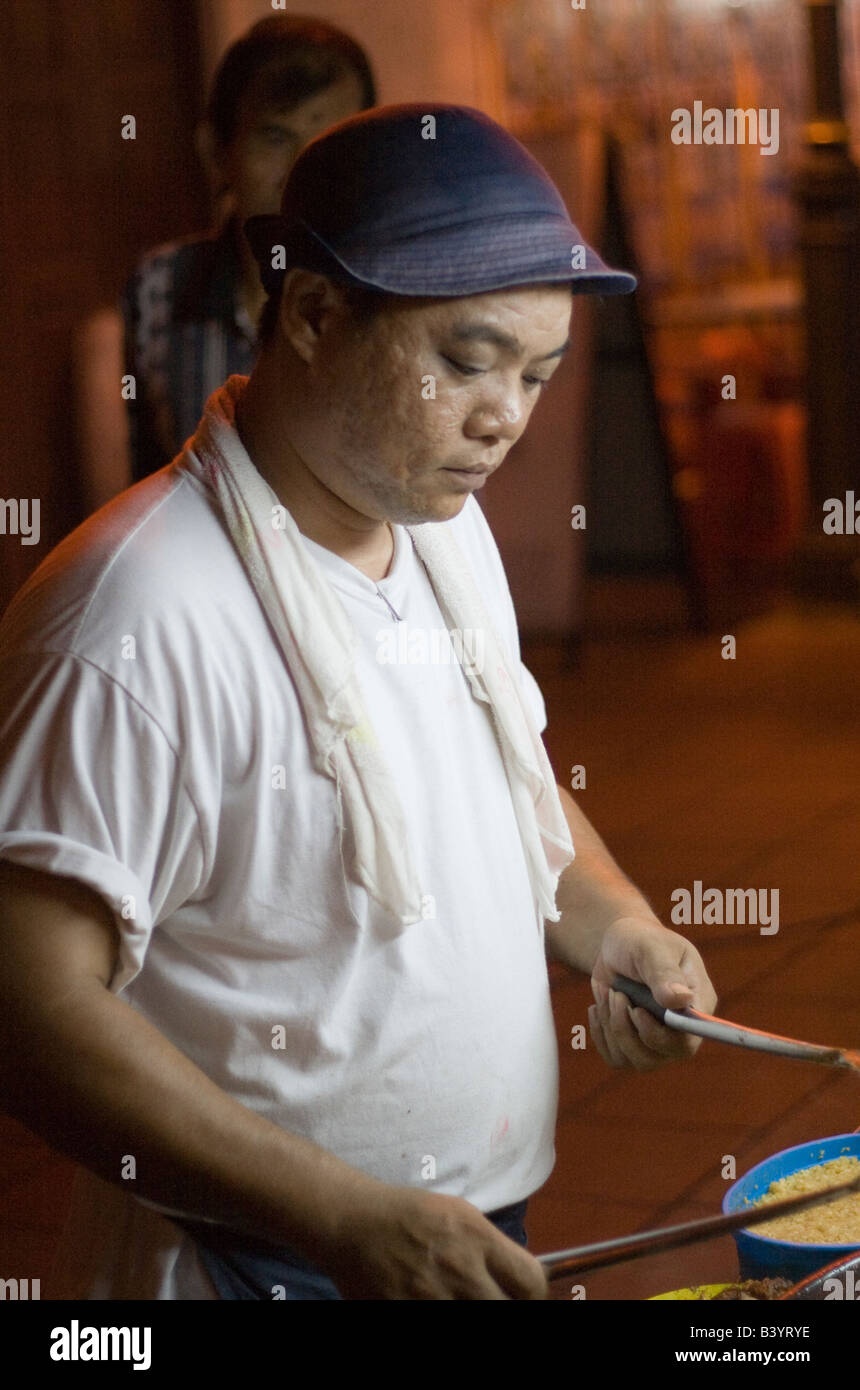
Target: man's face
[377,436]
[268,141]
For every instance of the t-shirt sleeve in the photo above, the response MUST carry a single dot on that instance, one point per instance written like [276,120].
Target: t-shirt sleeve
[91,789]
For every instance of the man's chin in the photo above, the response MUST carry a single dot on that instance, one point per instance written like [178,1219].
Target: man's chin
[443,508]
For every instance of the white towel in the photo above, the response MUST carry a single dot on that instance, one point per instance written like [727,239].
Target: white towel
[318,643]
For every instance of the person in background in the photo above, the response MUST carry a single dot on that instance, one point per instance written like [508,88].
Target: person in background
[189,312]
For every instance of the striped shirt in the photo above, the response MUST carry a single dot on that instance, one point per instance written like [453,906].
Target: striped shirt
[185,333]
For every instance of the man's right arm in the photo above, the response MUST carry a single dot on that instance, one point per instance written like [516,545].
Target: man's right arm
[96,1080]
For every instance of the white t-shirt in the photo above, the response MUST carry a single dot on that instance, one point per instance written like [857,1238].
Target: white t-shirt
[152,746]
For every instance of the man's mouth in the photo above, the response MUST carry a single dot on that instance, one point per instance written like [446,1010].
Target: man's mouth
[471,477]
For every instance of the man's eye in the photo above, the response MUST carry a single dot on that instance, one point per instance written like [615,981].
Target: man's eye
[465,369]
[462,367]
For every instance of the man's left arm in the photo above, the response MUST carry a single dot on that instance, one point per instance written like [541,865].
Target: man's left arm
[607,929]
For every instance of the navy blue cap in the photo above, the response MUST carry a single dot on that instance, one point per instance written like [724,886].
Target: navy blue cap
[393,200]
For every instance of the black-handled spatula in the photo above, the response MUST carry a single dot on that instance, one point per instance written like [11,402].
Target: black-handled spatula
[721,1030]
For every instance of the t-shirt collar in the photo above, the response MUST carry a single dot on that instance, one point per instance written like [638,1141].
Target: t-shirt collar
[345,576]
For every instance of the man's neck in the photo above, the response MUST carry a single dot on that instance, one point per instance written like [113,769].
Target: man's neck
[320,515]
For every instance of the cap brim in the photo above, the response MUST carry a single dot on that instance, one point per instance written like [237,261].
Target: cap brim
[475,258]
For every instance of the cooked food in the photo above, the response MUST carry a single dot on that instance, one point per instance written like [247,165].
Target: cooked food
[836,1222]
[754,1289]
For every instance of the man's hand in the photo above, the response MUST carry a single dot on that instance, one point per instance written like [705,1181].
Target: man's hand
[671,967]
[402,1243]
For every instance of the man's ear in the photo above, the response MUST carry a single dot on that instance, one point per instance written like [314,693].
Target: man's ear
[309,301]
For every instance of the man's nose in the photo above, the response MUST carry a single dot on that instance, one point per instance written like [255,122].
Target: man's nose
[503,417]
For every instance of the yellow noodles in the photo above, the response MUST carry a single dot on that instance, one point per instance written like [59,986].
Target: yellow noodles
[832,1223]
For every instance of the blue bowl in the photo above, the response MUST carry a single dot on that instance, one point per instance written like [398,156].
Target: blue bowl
[761,1257]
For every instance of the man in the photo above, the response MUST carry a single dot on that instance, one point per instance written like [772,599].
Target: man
[276,910]
[190,310]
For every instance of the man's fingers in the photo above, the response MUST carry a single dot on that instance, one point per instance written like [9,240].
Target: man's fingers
[599,991]
[678,983]
[517,1273]
[596,1032]
[601,1032]
[633,1038]
[644,1043]
[483,1288]
[671,992]
[500,1269]
[667,1042]
[627,1038]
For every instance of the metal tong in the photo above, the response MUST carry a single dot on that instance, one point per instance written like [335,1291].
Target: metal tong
[721,1030]
[580,1258]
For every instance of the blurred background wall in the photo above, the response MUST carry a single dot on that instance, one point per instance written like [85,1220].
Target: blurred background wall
[78,204]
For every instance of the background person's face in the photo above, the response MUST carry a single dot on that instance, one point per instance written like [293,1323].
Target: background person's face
[268,141]
[375,435]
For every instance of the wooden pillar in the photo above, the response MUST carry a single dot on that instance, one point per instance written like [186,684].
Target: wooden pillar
[827,193]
